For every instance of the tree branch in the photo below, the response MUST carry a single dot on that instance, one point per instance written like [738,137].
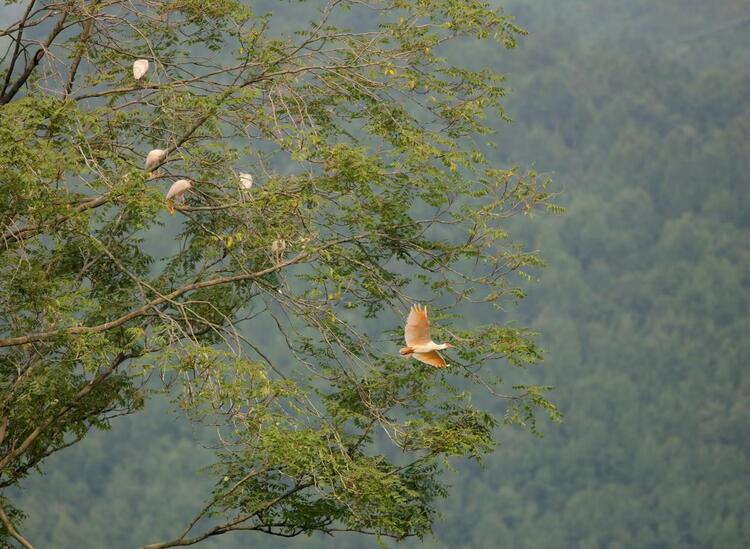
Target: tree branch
[17,47]
[85,330]
[25,232]
[227,526]
[119,359]
[85,35]
[12,530]
[57,29]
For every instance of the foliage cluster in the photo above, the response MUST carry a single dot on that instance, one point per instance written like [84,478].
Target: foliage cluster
[640,110]
[374,192]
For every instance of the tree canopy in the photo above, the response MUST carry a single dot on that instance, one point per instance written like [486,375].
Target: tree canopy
[271,314]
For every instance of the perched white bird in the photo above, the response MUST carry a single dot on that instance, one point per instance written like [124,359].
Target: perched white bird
[419,343]
[154,158]
[246,181]
[140,67]
[278,247]
[176,193]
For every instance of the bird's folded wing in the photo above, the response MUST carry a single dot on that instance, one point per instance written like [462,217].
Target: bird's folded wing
[432,358]
[417,330]
[178,188]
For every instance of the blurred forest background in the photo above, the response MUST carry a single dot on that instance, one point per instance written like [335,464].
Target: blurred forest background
[640,111]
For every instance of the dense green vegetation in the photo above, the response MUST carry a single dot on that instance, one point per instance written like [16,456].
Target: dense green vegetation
[645,303]
[269,316]
[640,112]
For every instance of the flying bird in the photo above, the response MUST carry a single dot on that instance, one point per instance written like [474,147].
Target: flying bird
[246,181]
[419,343]
[176,193]
[140,67]
[154,158]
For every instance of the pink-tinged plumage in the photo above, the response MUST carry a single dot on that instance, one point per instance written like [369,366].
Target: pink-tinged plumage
[154,158]
[419,343]
[140,67]
[176,192]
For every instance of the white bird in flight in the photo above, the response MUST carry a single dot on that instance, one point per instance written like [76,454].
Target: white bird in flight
[246,181]
[154,158]
[176,193]
[140,67]
[419,343]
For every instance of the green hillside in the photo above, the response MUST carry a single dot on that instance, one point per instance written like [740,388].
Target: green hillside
[640,112]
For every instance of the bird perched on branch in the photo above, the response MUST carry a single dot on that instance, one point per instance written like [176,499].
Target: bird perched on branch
[278,248]
[176,193]
[246,181]
[154,158]
[419,343]
[140,67]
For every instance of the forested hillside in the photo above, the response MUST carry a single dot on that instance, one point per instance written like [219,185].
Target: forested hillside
[640,112]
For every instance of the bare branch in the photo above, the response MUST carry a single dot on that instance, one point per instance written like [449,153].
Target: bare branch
[57,29]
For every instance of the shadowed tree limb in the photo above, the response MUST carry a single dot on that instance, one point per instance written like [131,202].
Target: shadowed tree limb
[12,530]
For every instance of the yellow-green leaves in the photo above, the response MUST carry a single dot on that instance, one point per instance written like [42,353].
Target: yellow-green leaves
[272,314]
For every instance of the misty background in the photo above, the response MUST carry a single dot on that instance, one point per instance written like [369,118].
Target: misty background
[640,112]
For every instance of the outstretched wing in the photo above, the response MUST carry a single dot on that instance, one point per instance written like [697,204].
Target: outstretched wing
[432,358]
[417,329]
